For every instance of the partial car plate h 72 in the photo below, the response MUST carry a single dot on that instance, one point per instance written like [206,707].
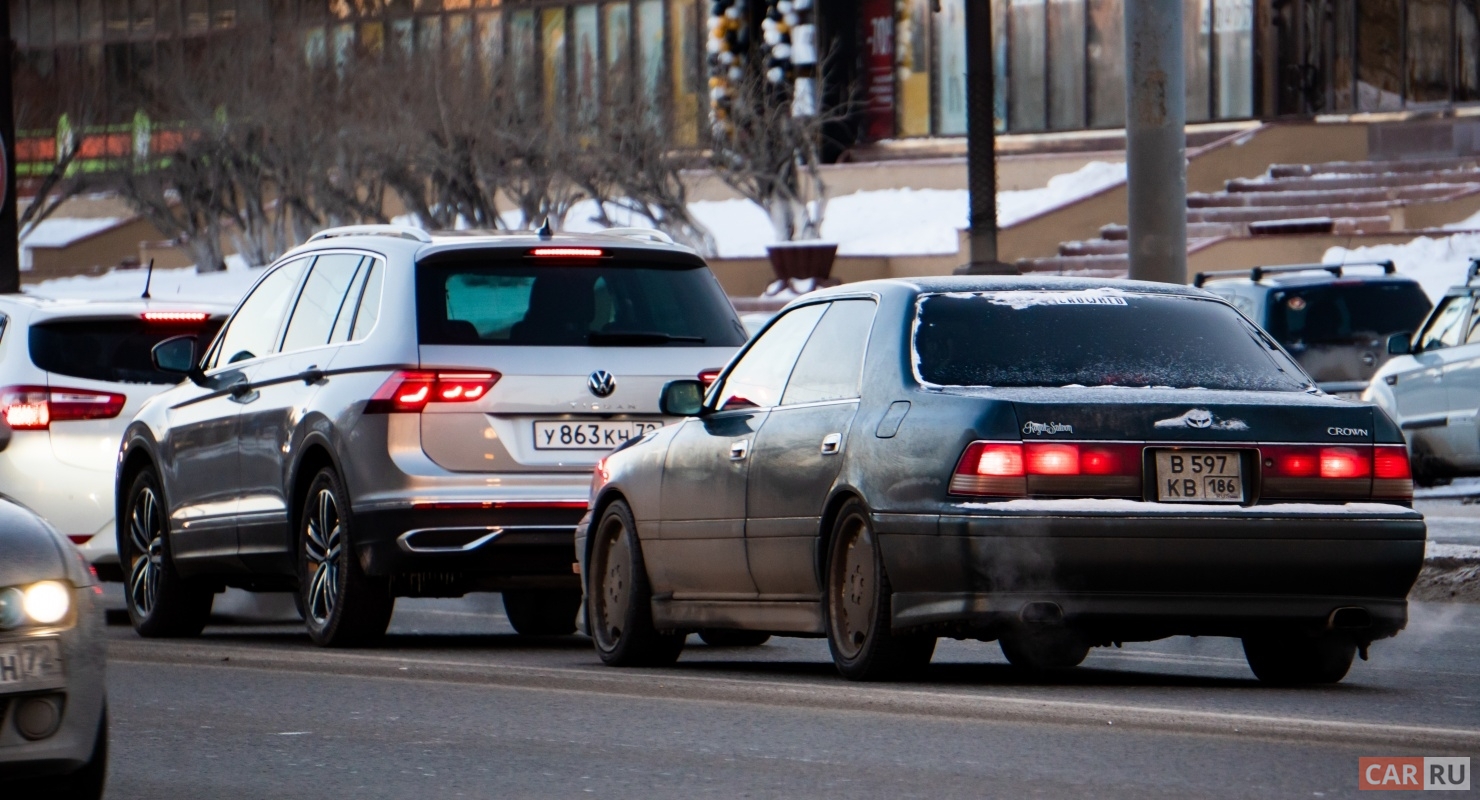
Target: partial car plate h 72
[25,664]
[1199,476]
[603,435]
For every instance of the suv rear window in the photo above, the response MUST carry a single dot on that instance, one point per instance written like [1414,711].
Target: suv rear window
[116,351]
[1097,337]
[606,304]
[1339,313]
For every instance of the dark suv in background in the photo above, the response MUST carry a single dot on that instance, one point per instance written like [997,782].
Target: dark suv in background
[1334,322]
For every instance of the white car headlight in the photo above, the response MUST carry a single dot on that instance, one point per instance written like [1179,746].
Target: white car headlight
[47,602]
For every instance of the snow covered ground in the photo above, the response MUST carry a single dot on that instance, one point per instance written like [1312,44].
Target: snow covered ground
[167,284]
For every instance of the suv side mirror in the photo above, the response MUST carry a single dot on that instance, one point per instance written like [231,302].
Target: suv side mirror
[682,398]
[176,355]
[1399,344]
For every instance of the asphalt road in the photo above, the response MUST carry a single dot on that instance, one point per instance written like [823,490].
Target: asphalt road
[456,705]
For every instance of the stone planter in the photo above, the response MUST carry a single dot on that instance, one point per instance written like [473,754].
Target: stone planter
[801,267]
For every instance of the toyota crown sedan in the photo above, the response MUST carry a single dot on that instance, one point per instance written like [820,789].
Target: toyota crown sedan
[1055,464]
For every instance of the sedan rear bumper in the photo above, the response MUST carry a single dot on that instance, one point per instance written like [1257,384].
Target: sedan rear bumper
[1142,570]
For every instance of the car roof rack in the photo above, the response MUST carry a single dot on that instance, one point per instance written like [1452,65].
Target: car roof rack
[648,234]
[1257,273]
[1474,270]
[399,231]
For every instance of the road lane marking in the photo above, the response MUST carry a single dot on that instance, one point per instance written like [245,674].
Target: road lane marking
[671,685]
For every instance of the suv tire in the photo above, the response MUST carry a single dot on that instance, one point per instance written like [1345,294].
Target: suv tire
[621,600]
[859,634]
[542,612]
[161,604]
[343,607]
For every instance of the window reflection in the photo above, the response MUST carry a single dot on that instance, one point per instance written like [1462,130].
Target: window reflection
[1428,59]
[1066,64]
[1380,55]
[1106,63]
[1026,110]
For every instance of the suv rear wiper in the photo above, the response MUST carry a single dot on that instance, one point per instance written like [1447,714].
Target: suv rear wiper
[638,338]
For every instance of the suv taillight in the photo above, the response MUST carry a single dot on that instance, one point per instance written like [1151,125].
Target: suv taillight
[1078,469]
[34,408]
[410,391]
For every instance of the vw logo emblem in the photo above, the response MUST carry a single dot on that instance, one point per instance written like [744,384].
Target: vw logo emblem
[601,383]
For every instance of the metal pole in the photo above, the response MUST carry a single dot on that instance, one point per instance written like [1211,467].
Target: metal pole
[1156,140]
[10,265]
[981,143]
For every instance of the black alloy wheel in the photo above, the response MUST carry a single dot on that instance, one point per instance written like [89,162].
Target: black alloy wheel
[864,647]
[542,612]
[161,604]
[620,611]
[343,607]
[1294,660]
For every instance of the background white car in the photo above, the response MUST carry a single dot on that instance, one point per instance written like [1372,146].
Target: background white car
[72,374]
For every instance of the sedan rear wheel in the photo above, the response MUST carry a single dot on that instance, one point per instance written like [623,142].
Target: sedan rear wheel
[1292,660]
[620,608]
[864,648]
[161,604]
[343,607]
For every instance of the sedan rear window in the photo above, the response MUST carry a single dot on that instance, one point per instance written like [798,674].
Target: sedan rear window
[1096,337]
[116,351]
[608,304]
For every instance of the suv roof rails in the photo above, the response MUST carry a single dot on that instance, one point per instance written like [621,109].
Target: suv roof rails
[1257,273]
[399,231]
[1474,270]
[649,234]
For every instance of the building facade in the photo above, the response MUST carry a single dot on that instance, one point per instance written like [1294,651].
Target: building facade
[1059,63]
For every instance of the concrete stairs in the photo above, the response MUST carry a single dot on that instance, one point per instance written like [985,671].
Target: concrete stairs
[1336,197]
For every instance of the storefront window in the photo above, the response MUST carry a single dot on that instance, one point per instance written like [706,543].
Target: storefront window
[1233,29]
[1196,36]
[42,20]
[1106,55]
[1027,109]
[196,12]
[91,22]
[1343,33]
[66,21]
[650,47]
[552,25]
[588,67]
[950,68]
[521,45]
[223,14]
[1065,64]
[1467,31]
[1380,55]
[459,38]
[115,20]
[428,35]
[1428,59]
[684,15]
[490,47]
[912,60]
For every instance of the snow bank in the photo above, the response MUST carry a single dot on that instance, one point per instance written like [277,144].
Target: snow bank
[168,284]
[1437,263]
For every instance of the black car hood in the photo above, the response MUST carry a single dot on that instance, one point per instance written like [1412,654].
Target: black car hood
[29,549]
[1182,415]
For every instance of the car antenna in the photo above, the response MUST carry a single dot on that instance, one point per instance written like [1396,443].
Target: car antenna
[544,231]
[148,278]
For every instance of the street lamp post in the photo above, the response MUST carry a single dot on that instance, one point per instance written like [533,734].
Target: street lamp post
[981,143]
[1156,140]
[10,264]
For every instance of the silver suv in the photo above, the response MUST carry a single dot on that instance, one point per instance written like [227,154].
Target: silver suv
[393,413]
[72,374]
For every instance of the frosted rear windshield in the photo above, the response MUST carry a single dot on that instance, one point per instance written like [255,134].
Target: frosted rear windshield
[600,305]
[1094,338]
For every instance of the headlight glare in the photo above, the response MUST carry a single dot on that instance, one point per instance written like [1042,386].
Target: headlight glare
[47,602]
[12,609]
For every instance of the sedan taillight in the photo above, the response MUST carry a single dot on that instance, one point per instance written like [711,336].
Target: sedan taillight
[1352,472]
[409,392]
[1079,469]
[34,408]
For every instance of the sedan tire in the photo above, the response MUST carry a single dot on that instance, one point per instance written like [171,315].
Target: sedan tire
[343,607]
[621,600]
[161,604]
[542,612]
[864,648]
[1294,660]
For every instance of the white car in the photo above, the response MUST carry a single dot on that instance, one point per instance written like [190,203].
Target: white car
[72,374]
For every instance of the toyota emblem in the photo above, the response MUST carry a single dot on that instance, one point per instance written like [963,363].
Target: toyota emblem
[601,383]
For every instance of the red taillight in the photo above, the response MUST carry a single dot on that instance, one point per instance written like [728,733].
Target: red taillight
[708,377]
[176,316]
[990,468]
[34,408]
[1052,459]
[567,252]
[1345,462]
[1083,469]
[410,392]
[1392,477]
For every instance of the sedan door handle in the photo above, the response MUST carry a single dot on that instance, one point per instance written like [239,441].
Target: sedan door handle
[312,375]
[738,450]
[832,443]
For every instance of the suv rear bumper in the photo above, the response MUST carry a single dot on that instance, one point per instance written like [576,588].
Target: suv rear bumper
[473,549]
